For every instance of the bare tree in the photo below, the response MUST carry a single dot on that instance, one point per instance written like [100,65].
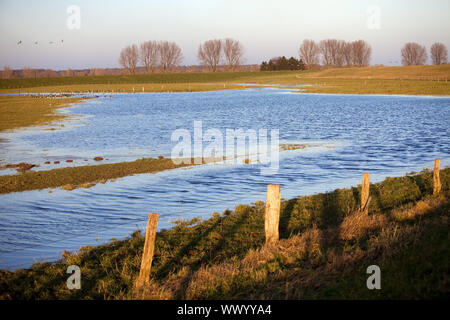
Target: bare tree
[48,73]
[331,52]
[69,73]
[325,50]
[170,55]
[29,72]
[128,58]
[149,55]
[210,53]
[413,54]
[309,52]
[347,53]
[361,52]
[233,52]
[7,72]
[439,53]
[339,53]
[96,72]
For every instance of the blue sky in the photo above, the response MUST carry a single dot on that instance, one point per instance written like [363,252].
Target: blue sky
[265,28]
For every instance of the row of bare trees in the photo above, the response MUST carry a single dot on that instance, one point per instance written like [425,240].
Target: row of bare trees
[416,54]
[151,54]
[335,53]
[212,52]
[29,72]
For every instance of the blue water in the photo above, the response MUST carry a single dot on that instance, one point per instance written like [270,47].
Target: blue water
[349,134]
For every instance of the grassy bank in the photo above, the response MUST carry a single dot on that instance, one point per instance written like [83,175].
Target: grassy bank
[86,176]
[23,111]
[70,178]
[324,250]
[413,80]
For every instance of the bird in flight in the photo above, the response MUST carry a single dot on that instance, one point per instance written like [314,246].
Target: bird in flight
[20,42]
[51,42]
[36,42]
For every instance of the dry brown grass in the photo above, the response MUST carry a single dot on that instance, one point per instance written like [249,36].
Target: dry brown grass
[311,259]
[413,211]
[358,225]
[441,73]
[24,111]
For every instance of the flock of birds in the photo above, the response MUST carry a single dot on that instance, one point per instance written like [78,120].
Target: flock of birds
[36,42]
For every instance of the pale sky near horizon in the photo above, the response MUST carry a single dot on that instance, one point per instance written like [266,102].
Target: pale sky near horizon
[266,28]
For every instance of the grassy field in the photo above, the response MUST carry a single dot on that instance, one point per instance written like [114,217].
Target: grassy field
[70,178]
[323,253]
[413,80]
[435,73]
[23,111]
[126,83]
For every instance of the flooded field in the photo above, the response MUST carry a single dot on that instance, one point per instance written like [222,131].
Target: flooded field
[345,136]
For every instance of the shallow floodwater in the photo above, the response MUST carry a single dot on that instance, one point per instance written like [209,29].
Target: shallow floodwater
[349,134]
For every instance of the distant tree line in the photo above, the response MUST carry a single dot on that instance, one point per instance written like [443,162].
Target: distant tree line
[340,53]
[167,55]
[212,53]
[329,53]
[336,53]
[228,55]
[29,72]
[415,54]
[164,54]
[282,63]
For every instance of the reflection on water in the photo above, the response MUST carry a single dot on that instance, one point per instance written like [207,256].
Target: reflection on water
[385,135]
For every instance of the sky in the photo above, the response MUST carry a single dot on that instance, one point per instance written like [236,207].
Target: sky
[266,28]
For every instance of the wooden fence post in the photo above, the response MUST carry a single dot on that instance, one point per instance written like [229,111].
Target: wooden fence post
[149,247]
[365,193]
[272,215]
[436,178]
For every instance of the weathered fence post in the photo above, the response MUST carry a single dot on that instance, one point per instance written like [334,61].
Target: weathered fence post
[149,246]
[436,178]
[272,216]
[365,193]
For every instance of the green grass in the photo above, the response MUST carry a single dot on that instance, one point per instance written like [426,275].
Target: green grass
[22,111]
[203,77]
[82,176]
[323,252]
[419,271]
[86,176]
